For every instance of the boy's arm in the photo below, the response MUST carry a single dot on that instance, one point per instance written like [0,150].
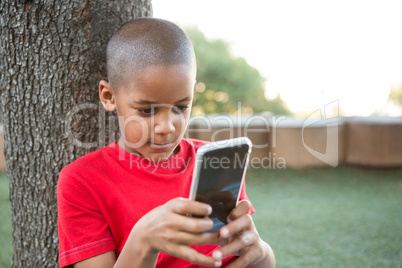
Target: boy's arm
[105,260]
[168,229]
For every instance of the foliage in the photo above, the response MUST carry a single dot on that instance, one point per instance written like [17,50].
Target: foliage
[396,94]
[225,82]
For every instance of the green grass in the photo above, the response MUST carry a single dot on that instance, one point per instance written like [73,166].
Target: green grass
[341,217]
[5,223]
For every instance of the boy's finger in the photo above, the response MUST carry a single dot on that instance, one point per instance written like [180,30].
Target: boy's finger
[249,257]
[185,206]
[242,208]
[196,239]
[191,255]
[243,240]
[194,225]
[239,225]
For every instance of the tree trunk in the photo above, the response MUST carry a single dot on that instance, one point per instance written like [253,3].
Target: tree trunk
[52,56]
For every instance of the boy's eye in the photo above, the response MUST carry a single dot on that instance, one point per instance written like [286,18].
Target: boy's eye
[180,108]
[147,111]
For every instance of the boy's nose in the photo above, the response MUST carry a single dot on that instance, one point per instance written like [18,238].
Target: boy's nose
[164,126]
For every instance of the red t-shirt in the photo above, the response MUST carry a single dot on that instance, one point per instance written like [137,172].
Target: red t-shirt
[104,193]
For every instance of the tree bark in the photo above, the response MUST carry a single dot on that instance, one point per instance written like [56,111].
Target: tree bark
[52,56]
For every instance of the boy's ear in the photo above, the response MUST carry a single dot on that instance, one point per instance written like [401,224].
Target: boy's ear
[106,96]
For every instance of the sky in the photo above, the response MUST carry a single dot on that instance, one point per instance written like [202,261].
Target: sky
[311,52]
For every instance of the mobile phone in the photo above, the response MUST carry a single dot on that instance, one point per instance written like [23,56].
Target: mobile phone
[218,175]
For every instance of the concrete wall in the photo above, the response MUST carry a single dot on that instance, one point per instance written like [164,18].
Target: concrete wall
[280,142]
[220,127]
[304,143]
[374,142]
[309,147]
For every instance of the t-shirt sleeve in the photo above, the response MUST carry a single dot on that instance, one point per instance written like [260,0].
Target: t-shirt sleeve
[83,229]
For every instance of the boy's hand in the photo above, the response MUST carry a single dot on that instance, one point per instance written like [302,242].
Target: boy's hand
[168,229]
[243,240]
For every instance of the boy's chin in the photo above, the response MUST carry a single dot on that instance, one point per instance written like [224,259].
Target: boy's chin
[152,154]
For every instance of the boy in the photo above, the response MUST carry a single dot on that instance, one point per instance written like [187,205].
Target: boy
[125,205]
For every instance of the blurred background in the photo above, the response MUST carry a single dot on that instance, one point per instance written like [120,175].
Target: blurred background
[307,53]
[319,83]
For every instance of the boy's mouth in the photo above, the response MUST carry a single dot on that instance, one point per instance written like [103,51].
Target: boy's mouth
[161,145]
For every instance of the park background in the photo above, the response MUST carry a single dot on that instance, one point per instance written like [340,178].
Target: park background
[313,214]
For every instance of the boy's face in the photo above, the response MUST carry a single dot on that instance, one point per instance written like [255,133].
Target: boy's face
[153,108]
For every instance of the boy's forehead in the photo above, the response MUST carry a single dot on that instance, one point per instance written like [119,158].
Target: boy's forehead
[179,70]
[173,81]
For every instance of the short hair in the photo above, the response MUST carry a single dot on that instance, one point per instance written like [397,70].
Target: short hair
[142,42]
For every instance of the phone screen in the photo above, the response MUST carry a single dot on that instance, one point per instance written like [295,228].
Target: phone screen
[220,180]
